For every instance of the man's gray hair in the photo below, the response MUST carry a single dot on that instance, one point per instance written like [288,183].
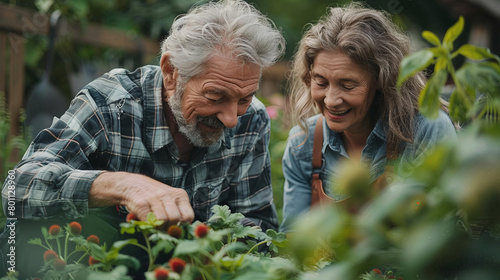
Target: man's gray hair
[231,27]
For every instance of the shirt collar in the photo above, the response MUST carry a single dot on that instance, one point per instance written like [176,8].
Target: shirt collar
[335,141]
[156,130]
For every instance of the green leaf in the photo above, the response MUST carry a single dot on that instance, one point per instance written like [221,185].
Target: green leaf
[241,232]
[278,238]
[456,109]
[441,63]
[151,218]
[35,241]
[118,273]
[414,63]
[127,261]
[431,38]
[425,242]
[127,228]
[476,53]
[162,246]
[44,5]
[223,218]
[187,247]
[483,76]
[45,232]
[230,248]
[452,34]
[97,251]
[118,245]
[429,97]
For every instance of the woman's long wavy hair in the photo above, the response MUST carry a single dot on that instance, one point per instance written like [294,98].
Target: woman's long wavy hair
[370,38]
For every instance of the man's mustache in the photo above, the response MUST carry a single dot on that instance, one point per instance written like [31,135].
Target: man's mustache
[212,121]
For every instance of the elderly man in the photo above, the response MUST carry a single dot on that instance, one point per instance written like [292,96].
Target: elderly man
[173,140]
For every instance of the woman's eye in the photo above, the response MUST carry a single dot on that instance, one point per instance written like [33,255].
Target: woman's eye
[321,83]
[347,86]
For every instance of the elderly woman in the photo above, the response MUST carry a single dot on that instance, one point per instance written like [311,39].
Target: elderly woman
[345,71]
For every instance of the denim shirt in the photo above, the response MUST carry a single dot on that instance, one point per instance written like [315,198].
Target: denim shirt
[297,159]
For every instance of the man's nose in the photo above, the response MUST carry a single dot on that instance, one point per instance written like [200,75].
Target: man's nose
[229,115]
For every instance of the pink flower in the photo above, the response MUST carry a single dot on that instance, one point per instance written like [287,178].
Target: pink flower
[272,111]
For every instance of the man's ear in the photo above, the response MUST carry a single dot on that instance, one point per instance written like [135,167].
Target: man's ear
[169,73]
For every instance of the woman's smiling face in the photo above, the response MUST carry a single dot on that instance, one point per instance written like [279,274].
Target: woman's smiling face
[344,92]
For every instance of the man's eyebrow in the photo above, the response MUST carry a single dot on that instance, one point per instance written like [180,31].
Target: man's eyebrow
[252,94]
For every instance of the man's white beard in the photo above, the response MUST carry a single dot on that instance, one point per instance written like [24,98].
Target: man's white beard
[191,130]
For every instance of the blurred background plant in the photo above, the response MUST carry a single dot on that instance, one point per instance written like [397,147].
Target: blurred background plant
[10,146]
[442,221]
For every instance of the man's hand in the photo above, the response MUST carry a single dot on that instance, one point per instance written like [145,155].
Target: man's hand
[141,195]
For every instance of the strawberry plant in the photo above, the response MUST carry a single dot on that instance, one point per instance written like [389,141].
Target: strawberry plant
[222,248]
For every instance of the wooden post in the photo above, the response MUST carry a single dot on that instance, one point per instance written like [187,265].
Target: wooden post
[3,60]
[16,82]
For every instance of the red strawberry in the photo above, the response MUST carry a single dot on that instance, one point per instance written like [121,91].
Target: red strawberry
[377,271]
[177,264]
[75,228]
[54,230]
[175,231]
[93,238]
[130,217]
[59,265]
[201,230]
[49,255]
[161,273]
[93,261]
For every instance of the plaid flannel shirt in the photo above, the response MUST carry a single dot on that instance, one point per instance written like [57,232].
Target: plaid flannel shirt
[116,123]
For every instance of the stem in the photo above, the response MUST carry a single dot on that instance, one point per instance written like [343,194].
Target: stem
[150,254]
[458,85]
[59,248]
[65,245]
[48,244]
[256,245]
[204,273]
[81,258]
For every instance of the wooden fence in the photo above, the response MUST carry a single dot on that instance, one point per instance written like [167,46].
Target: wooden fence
[18,24]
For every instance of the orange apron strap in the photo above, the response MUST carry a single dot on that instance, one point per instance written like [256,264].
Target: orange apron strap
[318,195]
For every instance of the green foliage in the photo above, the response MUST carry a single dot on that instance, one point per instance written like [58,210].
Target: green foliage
[280,126]
[477,84]
[229,250]
[424,226]
[8,145]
